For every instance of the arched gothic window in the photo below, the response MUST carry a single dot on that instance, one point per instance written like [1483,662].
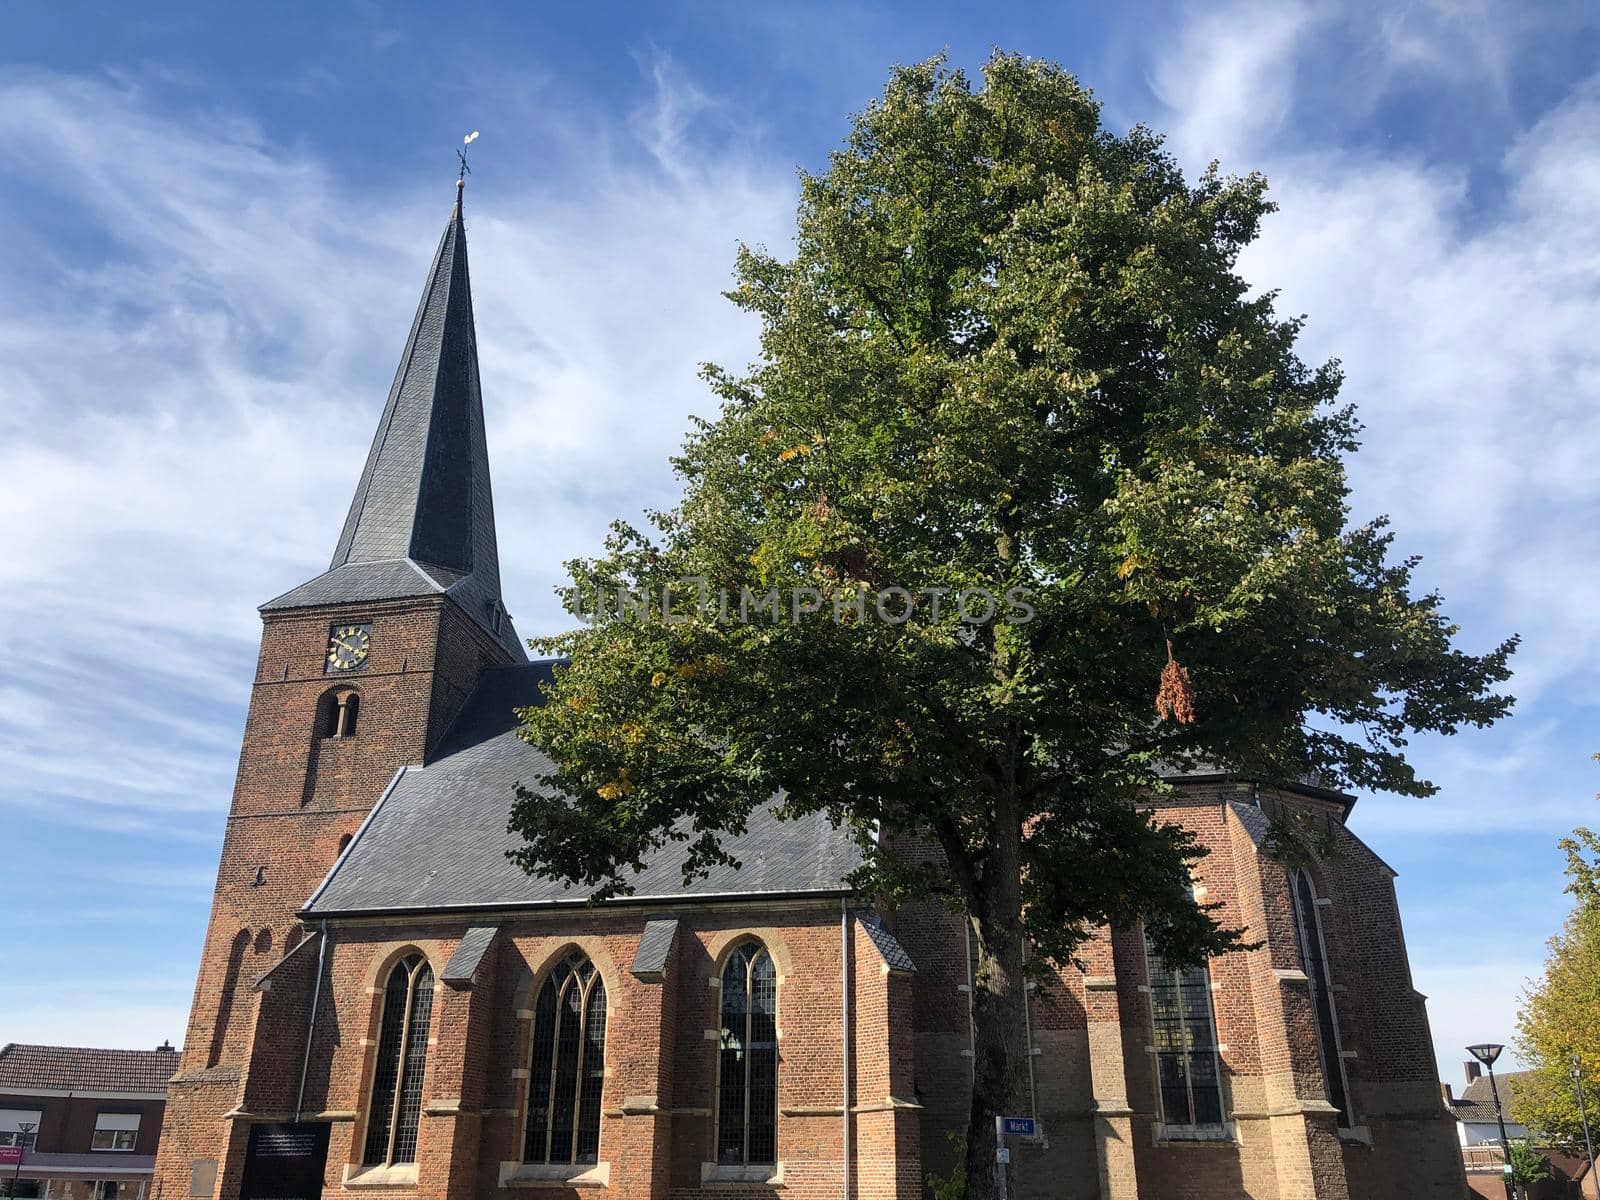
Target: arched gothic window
[1188,1073]
[402,1058]
[569,1065]
[1314,962]
[747,1067]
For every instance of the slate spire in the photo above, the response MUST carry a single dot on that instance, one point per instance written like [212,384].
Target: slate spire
[422,519]
[424,493]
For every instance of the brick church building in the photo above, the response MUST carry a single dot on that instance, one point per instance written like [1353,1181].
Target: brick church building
[387,1007]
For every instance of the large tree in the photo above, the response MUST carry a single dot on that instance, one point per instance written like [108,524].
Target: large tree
[1560,1015]
[1010,354]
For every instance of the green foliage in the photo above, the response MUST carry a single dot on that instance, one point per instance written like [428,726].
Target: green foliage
[953,1186]
[1010,352]
[1527,1164]
[1560,1014]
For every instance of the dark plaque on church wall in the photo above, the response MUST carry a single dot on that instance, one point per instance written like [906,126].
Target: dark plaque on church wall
[285,1161]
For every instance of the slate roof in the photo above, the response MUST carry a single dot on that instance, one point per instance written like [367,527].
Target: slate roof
[437,840]
[422,519]
[469,953]
[1255,822]
[1476,1102]
[655,946]
[25,1067]
[889,949]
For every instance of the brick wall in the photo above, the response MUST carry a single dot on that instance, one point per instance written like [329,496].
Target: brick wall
[297,797]
[1092,1084]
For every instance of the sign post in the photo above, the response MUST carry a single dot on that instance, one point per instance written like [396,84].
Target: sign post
[1001,1157]
[1015,1127]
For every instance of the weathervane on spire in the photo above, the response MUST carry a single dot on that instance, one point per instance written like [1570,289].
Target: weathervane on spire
[461,155]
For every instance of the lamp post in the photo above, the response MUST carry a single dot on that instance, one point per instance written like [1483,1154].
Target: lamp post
[24,1128]
[1486,1053]
[1583,1111]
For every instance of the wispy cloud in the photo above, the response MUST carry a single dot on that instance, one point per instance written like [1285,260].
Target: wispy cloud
[190,384]
[1461,298]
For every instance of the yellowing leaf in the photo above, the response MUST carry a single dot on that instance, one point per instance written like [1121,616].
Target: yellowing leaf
[658,679]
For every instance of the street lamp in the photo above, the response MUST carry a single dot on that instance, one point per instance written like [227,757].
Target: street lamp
[24,1128]
[1486,1053]
[1583,1109]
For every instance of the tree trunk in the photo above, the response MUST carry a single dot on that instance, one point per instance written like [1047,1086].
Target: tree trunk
[999,992]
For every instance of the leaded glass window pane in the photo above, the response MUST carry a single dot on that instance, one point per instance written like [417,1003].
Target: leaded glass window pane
[593,1075]
[1185,1040]
[416,1059]
[402,1056]
[747,1068]
[1314,961]
[380,1119]
[540,1076]
[567,1075]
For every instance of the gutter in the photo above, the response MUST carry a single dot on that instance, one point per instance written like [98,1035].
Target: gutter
[311,1020]
[512,908]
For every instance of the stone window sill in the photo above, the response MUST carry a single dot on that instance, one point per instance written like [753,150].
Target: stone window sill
[554,1175]
[1195,1135]
[399,1175]
[754,1175]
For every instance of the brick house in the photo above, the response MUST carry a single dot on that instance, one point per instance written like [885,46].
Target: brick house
[80,1124]
[385,1005]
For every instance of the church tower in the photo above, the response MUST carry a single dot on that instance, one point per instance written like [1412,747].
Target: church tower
[360,672]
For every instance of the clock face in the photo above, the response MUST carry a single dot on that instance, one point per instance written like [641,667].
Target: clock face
[348,646]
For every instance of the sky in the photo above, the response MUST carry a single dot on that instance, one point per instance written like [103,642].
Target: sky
[216,232]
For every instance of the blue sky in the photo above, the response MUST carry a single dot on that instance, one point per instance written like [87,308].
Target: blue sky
[216,233]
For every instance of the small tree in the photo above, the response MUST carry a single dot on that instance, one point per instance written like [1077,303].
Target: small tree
[1010,362]
[1527,1166]
[1560,1014]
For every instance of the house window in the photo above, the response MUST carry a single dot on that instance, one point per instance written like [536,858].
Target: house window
[1313,952]
[1189,1077]
[11,1122]
[115,1131]
[401,1060]
[569,1066]
[747,1067]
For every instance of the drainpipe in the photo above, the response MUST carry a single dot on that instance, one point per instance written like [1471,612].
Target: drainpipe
[311,1021]
[1027,1033]
[844,1036]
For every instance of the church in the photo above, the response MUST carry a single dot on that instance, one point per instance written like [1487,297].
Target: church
[386,1006]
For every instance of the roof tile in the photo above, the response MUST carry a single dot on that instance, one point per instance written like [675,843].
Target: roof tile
[24,1066]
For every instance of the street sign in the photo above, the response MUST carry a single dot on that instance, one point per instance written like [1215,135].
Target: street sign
[1002,1156]
[1021,1126]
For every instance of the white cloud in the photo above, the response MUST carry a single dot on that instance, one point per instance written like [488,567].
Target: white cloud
[1228,80]
[188,386]
[1462,299]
